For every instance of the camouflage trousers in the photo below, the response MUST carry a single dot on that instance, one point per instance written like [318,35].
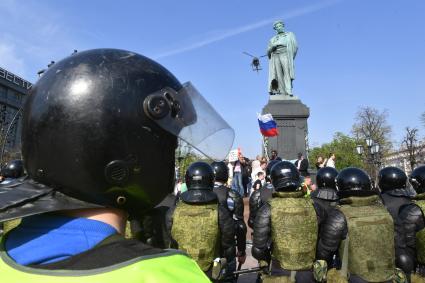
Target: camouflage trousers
[416,278]
[333,276]
[277,279]
[279,275]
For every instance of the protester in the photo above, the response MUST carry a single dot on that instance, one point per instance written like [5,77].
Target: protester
[320,163]
[180,187]
[256,163]
[230,168]
[307,186]
[302,165]
[331,160]
[246,177]
[259,182]
[261,168]
[274,155]
[238,168]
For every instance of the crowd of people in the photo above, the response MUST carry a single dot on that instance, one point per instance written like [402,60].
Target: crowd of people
[345,230]
[99,134]
[326,162]
[247,175]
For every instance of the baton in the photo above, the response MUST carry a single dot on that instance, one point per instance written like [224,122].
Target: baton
[248,270]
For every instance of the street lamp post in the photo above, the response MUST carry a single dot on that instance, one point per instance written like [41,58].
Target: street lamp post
[371,153]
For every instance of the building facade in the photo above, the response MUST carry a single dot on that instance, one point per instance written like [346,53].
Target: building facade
[13,92]
[400,158]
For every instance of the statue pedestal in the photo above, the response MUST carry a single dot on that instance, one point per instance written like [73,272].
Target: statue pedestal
[291,116]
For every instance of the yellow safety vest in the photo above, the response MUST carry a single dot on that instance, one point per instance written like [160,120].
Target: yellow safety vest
[170,266]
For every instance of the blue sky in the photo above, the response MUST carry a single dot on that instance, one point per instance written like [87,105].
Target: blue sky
[351,53]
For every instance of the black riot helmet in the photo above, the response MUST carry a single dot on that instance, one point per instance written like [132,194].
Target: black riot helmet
[221,171]
[285,176]
[100,129]
[325,178]
[417,179]
[13,169]
[353,182]
[200,183]
[391,178]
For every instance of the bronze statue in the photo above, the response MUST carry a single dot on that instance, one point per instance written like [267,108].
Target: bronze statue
[281,51]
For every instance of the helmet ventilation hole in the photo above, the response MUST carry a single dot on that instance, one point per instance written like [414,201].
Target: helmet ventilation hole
[117,172]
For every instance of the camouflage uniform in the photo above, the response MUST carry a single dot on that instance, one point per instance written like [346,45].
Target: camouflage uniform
[204,230]
[363,231]
[285,233]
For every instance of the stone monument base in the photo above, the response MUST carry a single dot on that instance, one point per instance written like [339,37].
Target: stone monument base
[291,117]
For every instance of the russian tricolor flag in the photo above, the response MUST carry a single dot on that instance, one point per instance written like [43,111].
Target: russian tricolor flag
[267,125]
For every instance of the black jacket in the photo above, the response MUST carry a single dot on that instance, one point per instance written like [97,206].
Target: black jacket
[151,228]
[412,220]
[393,202]
[303,167]
[325,200]
[332,232]
[256,200]
[233,202]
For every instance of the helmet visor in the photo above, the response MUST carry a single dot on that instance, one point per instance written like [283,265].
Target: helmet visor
[192,119]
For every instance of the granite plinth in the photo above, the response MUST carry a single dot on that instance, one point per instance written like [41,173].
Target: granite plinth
[291,117]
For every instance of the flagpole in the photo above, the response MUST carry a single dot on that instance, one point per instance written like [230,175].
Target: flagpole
[265,146]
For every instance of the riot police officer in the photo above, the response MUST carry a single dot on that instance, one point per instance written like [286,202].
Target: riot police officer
[367,252]
[325,196]
[261,196]
[9,174]
[199,225]
[96,128]
[14,169]
[231,200]
[412,219]
[286,227]
[392,183]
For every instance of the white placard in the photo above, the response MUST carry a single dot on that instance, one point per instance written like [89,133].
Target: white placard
[233,155]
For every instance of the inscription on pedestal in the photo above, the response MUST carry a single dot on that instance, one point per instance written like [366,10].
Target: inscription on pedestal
[285,123]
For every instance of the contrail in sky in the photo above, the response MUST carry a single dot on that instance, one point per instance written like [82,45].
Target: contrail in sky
[249,27]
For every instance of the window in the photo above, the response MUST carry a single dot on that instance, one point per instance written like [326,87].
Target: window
[3,92]
[14,97]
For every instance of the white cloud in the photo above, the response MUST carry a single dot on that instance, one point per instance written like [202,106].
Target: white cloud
[242,29]
[32,36]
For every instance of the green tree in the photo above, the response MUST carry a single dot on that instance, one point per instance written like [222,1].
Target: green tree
[185,155]
[344,148]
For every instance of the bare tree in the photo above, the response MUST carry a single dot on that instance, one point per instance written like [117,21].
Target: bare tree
[413,146]
[423,119]
[372,123]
